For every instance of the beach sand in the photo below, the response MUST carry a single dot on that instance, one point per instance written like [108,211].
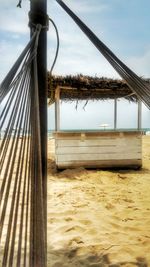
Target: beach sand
[99,218]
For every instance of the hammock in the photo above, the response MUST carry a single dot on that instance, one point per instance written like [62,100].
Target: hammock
[22,218]
[137,85]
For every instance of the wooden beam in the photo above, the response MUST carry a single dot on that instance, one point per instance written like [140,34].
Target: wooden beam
[57,109]
[115,113]
[38,240]
[139,114]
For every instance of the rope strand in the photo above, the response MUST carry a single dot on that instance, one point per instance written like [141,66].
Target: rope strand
[22,189]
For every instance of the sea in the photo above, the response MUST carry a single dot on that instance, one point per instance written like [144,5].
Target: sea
[145,131]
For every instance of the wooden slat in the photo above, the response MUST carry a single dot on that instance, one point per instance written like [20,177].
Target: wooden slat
[104,134]
[97,137]
[108,156]
[101,164]
[97,150]
[99,142]
[57,109]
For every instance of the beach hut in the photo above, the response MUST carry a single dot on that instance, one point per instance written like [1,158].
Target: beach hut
[101,148]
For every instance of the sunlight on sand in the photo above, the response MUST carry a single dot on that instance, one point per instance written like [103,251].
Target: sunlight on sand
[99,218]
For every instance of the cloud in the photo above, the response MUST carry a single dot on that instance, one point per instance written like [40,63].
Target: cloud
[78,55]
[14,33]
[13,26]
[8,56]
[141,64]
[86,6]
[13,19]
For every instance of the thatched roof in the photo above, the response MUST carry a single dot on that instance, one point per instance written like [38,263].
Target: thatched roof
[89,88]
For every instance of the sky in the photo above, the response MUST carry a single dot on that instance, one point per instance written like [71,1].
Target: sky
[122,25]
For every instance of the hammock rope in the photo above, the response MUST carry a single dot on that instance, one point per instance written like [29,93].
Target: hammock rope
[22,220]
[52,97]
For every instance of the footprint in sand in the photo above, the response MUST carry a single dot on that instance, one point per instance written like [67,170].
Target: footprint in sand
[58,264]
[75,228]
[75,241]
[77,205]
[128,200]
[109,206]
[72,253]
[85,222]
[69,219]
[96,261]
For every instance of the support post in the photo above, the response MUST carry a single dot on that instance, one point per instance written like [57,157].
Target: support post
[115,113]
[57,109]
[139,114]
[38,15]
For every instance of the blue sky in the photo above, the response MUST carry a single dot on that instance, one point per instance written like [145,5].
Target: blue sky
[122,25]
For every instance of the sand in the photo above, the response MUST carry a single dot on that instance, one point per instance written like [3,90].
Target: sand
[99,218]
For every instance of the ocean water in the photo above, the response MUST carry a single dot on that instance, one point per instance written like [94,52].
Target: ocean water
[51,131]
[144,130]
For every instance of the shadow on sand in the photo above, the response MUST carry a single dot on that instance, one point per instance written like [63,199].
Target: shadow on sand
[70,258]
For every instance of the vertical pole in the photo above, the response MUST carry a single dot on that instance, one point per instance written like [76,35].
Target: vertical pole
[115,113]
[57,109]
[38,15]
[139,114]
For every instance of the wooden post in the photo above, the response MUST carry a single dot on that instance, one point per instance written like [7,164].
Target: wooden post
[115,113]
[57,109]
[139,114]
[38,15]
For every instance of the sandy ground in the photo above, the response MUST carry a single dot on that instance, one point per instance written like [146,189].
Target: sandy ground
[99,218]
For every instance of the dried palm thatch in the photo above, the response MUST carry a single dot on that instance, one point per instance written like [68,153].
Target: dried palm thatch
[82,87]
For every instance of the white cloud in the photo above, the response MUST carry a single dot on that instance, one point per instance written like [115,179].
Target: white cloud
[141,64]
[83,60]
[15,36]
[12,25]
[9,55]
[13,19]
[86,6]
[77,54]
[14,30]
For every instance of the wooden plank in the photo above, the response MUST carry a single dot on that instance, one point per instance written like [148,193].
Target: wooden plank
[108,156]
[115,114]
[97,150]
[139,123]
[104,142]
[97,137]
[134,163]
[57,109]
[104,134]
